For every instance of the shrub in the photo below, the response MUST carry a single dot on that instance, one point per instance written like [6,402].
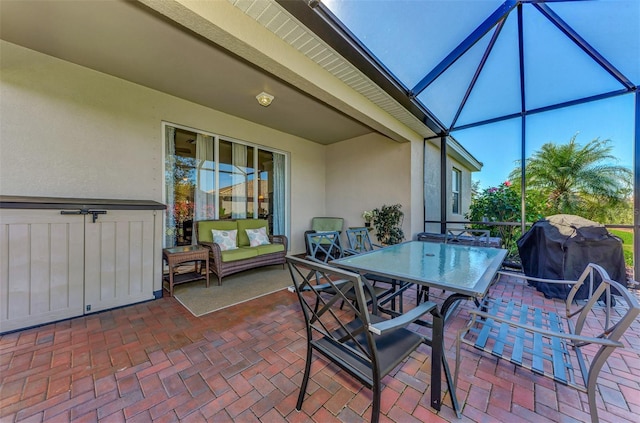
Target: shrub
[503,204]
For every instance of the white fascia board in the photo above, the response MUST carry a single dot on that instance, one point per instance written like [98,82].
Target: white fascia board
[226,25]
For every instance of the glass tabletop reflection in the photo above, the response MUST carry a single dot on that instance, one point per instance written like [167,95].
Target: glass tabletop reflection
[466,270]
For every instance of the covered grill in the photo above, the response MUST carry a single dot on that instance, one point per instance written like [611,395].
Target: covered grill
[561,246]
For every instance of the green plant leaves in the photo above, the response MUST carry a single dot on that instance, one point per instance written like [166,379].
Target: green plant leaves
[387,221]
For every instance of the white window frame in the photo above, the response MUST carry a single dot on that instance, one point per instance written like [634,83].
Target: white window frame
[456,188]
[216,139]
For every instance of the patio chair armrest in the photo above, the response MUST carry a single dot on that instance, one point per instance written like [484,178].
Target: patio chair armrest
[350,252]
[534,279]
[315,260]
[324,287]
[576,339]
[215,253]
[403,320]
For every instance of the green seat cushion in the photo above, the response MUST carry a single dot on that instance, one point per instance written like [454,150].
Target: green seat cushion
[243,238]
[323,224]
[239,254]
[270,248]
[205,227]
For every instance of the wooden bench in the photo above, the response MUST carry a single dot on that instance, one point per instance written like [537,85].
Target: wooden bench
[552,344]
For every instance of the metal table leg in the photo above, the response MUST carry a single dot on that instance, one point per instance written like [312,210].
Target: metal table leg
[449,304]
[437,356]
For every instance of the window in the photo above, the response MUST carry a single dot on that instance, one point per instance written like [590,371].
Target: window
[211,177]
[456,178]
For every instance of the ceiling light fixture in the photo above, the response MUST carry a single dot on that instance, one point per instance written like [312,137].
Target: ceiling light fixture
[264,99]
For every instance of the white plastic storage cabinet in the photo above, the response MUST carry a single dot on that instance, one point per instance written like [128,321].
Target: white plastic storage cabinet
[64,257]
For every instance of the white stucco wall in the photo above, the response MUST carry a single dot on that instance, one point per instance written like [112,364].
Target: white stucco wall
[365,173]
[67,131]
[432,187]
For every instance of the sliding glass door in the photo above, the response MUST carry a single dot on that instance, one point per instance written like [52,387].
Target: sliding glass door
[212,177]
[237,173]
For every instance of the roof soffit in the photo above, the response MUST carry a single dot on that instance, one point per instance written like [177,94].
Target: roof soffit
[296,55]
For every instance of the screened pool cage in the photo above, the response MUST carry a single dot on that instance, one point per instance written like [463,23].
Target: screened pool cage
[504,79]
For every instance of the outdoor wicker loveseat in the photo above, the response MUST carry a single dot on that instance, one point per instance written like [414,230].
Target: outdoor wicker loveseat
[233,251]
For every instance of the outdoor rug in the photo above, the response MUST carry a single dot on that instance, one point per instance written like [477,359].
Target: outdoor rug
[235,289]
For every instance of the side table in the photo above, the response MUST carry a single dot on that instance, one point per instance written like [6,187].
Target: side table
[178,255]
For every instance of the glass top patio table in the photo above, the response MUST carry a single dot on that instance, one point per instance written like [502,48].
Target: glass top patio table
[466,270]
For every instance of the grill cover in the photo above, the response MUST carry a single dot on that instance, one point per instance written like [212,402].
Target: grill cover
[561,246]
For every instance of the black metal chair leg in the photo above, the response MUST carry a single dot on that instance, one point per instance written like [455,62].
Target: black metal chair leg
[423,294]
[305,379]
[375,409]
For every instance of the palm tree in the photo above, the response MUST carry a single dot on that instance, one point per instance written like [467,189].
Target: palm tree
[577,179]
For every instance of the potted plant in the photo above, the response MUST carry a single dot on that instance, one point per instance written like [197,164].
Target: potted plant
[387,221]
[367,216]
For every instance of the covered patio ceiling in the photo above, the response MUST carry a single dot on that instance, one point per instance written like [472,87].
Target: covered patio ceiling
[137,43]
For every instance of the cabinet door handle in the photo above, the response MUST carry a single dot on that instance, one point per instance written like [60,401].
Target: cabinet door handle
[95,214]
[73,212]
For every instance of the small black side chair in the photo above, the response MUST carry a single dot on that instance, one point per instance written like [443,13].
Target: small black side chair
[360,242]
[473,237]
[326,246]
[366,346]
[323,224]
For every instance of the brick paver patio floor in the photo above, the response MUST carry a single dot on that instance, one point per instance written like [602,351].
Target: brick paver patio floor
[156,362]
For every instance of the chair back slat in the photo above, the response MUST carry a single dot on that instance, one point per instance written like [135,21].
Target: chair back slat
[359,240]
[558,350]
[324,246]
[504,330]
[476,237]
[602,294]
[518,347]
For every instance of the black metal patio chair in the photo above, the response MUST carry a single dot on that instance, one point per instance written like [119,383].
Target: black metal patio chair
[325,247]
[553,345]
[360,242]
[323,224]
[461,236]
[366,346]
